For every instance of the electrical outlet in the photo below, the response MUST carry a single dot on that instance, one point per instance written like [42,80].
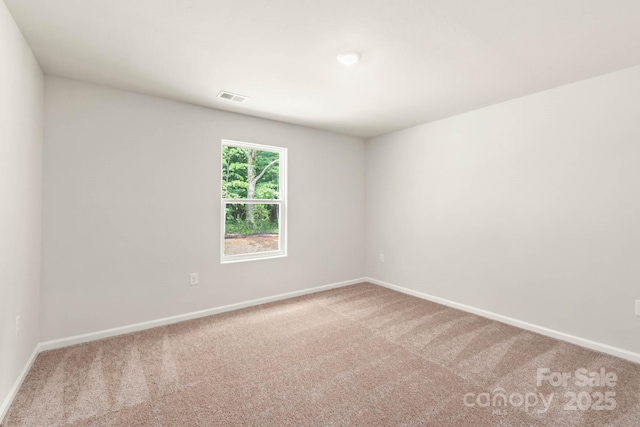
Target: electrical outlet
[638,307]
[381,258]
[17,324]
[194,279]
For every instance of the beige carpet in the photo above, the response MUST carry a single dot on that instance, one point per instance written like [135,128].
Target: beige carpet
[359,355]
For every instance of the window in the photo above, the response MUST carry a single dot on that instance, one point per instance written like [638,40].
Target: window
[254,201]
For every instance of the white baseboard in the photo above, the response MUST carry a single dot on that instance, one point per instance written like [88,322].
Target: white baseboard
[93,336]
[16,386]
[583,342]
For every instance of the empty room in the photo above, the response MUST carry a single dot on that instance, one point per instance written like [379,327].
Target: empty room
[320,213]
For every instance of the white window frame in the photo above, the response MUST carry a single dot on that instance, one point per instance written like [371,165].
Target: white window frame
[281,201]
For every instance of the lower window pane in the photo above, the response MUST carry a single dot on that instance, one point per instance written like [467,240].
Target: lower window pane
[251,228]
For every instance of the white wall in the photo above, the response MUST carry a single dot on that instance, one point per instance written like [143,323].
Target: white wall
[132,206]
[529,208]
[21,102]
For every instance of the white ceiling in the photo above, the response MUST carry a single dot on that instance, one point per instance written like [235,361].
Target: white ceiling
[421,60]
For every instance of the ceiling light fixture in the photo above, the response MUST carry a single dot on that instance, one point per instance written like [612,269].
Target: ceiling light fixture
[349,58]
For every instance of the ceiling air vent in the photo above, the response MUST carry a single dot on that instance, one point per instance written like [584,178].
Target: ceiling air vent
[223,94]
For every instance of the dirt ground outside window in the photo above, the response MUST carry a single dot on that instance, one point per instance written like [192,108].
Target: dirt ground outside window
[253,243]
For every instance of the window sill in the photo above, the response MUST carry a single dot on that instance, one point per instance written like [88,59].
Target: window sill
[253,257]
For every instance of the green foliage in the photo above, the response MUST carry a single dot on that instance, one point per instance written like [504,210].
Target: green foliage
[240,226]
[234,173]
[236,164]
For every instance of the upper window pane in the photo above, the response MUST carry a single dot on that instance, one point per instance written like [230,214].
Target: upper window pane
[249,173]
